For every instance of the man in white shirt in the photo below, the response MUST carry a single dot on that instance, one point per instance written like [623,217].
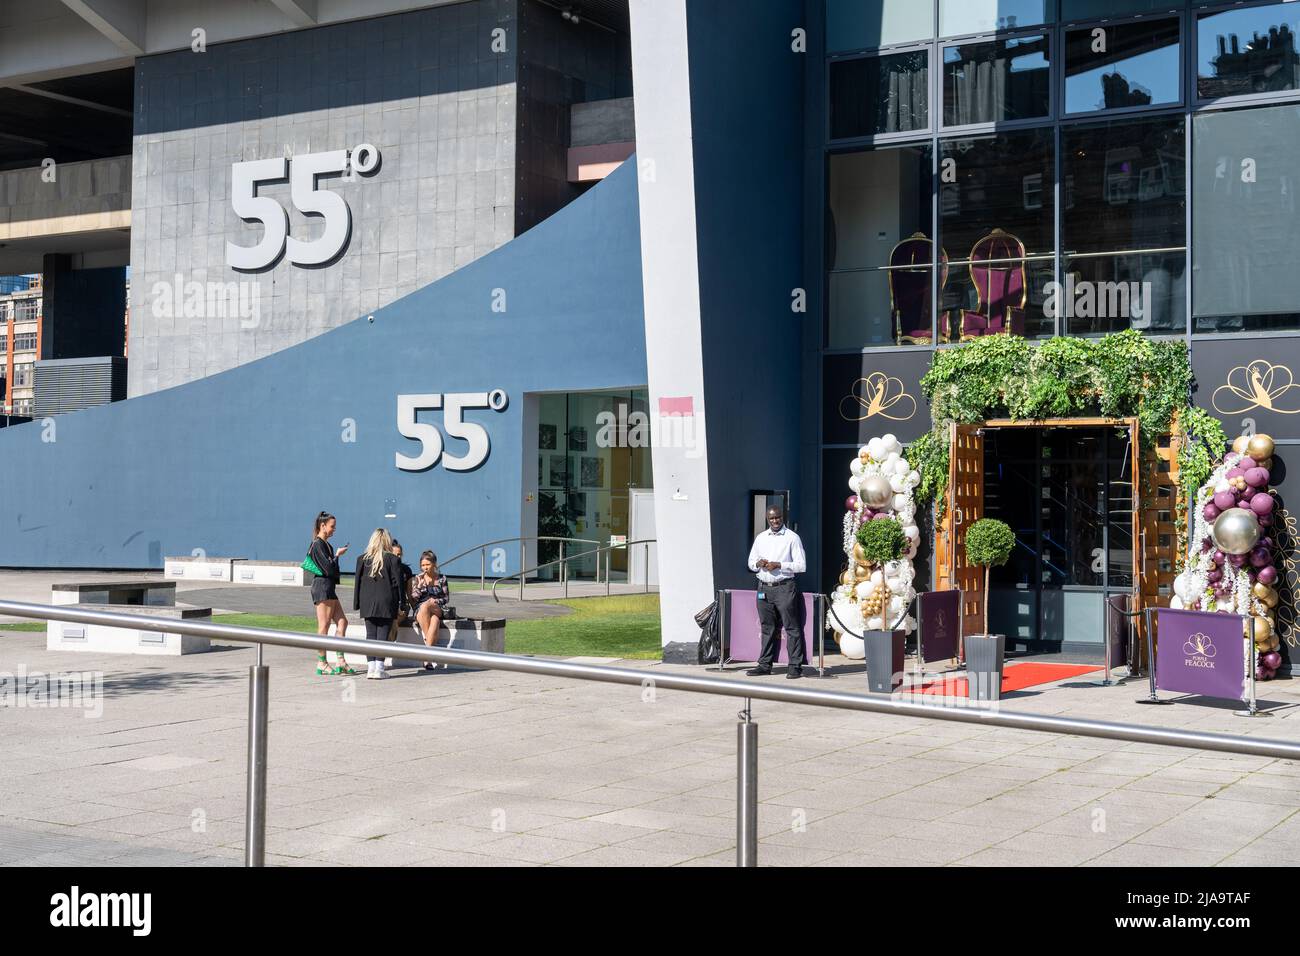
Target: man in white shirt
[777,556]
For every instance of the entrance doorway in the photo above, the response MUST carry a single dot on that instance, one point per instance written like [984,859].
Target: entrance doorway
[1067,490]
[1068,495]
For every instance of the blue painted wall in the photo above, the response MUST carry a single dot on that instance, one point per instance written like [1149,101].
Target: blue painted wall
[239,463]
[747,127]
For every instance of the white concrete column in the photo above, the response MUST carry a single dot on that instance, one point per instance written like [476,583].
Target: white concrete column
[670,275]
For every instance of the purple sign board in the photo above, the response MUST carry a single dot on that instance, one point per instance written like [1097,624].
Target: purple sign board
[1200,652]
[940,624]
[745,640]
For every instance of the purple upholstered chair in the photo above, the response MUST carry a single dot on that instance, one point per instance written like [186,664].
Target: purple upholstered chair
[997,269]
[909,288]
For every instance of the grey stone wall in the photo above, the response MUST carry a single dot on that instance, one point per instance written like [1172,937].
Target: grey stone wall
[425,87]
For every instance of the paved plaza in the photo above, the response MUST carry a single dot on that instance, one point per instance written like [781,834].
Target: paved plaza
[492,768]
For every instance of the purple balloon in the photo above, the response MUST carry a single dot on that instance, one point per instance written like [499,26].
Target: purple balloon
[851,503]
[1206,544]
[1217,558]
[1257,477]
[1236,560]
[1260,557]
[1210,511]
[1265,521]
[1224,500]
[1248,493]
[1214,577]
[1267,574]
[1261,504]
[1262,673]
[1264,542]
[1272,660]
[880,514]
[1234,473]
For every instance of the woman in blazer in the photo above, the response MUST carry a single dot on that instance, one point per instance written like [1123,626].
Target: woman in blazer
[377,593]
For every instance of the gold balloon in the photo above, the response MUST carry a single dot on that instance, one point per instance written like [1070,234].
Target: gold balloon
[1272,645]
[847,577]
[861,572]
[1265,594]
[859,555]
[1267,464]
[1239,444]
[1260,447]
[1263,630]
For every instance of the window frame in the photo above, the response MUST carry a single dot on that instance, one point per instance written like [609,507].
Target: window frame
[1193,59]
[1128,110]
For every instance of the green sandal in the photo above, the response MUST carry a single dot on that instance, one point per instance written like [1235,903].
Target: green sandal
[323,667]
[343,667]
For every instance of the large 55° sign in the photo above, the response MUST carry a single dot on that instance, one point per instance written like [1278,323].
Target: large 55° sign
[302,172]
[453,405]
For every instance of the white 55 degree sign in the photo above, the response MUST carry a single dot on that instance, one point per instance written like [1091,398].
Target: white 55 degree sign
[453,405]
[302,172]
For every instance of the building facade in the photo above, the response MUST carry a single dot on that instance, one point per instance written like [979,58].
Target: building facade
[400,267]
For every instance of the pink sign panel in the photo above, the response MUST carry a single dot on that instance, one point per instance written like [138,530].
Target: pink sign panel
[1200,652]
[745,639]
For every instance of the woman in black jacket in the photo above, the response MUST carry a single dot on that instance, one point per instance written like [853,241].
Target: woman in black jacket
[377,593]
[323,590]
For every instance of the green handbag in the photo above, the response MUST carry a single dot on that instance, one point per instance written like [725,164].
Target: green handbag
[309,565]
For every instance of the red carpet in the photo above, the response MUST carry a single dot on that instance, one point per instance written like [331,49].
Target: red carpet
[1014,677]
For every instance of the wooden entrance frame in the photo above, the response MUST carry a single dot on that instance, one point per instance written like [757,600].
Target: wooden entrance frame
[1155,532]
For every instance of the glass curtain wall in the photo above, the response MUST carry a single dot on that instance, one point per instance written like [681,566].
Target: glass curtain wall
[1042,165]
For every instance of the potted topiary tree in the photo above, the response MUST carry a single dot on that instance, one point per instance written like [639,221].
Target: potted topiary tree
[880,541]
[988,542]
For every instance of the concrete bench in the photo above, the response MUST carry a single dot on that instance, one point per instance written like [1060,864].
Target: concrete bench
[278,573]
[128,593]
[464,634]
[104,639]
[205,568]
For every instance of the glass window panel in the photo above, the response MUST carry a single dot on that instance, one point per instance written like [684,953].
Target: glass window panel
[886,94]
[996,223]
[960,17]
[864,24]
[1123,226]
[1250,50]
[1111,67]
[996,81]
[1072,11]
[1246,220]
[878,249]
[1119,500]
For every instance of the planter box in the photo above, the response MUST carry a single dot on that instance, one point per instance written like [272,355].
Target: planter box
[884,655]
[985,654]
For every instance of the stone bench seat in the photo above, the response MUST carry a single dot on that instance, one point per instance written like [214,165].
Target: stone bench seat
[125,593]
[273,573]
[466,634]
[106,639]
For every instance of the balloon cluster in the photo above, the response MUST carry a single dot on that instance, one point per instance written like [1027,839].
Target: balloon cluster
[870,598]
[1230,565]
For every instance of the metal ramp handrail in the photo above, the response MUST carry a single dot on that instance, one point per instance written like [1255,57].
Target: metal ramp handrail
[564,576]
[523,542]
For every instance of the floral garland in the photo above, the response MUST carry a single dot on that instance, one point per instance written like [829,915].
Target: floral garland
[880,458]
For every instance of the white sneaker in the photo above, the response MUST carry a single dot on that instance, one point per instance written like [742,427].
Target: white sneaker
[370,670]
[379,670]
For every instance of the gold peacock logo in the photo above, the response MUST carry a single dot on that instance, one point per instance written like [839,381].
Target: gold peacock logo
[1199,644]
[877,396]
[1258,384]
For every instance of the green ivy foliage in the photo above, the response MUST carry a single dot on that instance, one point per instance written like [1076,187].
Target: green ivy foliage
[882,540]
[989,542]
[1003,376]
[1202,443]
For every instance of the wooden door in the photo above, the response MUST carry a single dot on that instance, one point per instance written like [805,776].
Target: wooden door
[1157,537]
[965,505]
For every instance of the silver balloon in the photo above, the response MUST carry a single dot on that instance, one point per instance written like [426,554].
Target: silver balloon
[1236,531]
[876,492]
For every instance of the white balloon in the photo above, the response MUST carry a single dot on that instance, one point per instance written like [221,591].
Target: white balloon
[875,579]
[864,590]
[912,532]
[875,449]
[855,483]
[875,623]
[864,450]
[913,548]
[900,502]
[1175,601]
[897,485]
[851,647]
[855,466]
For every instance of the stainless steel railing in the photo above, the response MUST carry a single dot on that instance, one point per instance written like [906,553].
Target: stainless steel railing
[747,731]
[523,553]
[563,560]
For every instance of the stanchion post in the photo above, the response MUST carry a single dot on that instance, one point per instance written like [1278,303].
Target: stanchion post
[1105,636]
[724,624]
[1252,708]
[819,622]
[746,789]
[255,812]
[1152,697]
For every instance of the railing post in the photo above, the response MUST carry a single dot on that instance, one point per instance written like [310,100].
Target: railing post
[523,562]
[564,570]
[607,554]
[482,569]
[259,676]
[646,569]
[746,789]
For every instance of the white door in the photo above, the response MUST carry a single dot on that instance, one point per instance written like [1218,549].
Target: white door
[641,526]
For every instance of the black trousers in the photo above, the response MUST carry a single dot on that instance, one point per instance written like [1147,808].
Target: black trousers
[781,606]
[377,629]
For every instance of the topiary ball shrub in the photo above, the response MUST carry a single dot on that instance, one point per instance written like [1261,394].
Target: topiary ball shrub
[989,542]
[882,540]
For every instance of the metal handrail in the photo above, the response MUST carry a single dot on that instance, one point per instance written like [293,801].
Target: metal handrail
[563,561]
[746,848]
[482,549]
